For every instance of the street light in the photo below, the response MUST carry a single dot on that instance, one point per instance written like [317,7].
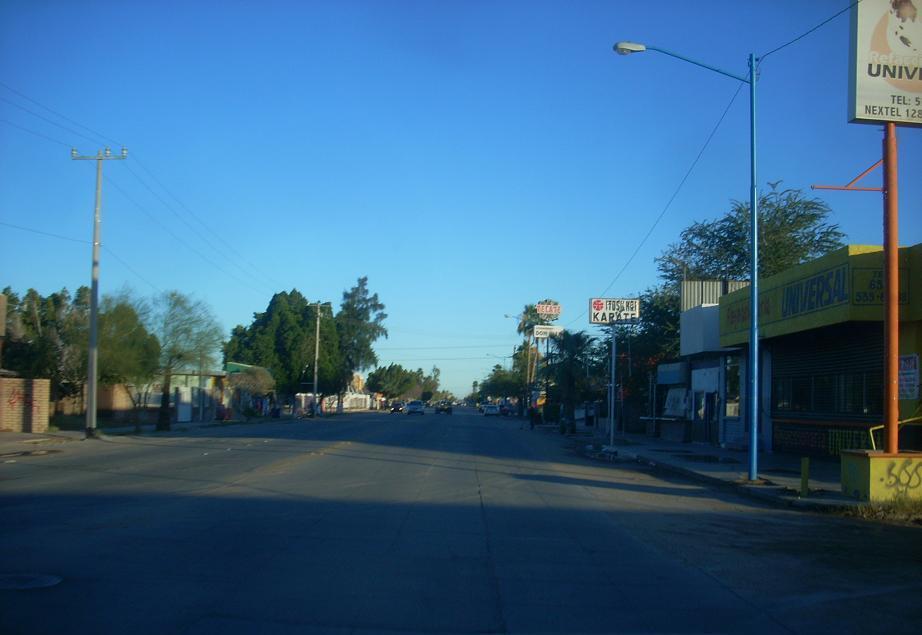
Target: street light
[628,48]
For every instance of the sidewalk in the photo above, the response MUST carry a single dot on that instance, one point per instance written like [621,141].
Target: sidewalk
[779,473]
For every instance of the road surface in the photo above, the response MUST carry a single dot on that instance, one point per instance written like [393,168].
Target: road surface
[376,523]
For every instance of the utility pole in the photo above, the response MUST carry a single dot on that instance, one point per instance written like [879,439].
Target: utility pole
[316,356]
[92,370]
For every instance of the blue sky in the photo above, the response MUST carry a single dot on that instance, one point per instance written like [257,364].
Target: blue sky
[468,157]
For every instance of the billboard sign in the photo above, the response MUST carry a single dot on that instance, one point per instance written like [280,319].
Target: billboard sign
[614,310]
[885,63]
[543,332]
[548,309]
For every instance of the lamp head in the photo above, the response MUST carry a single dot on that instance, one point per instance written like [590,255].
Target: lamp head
[626,48]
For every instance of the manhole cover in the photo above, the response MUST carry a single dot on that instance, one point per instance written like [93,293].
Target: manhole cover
[23,581]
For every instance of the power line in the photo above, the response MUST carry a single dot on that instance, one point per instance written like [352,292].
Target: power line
[104,137]
[52,122]
[205,225]
[44,233]
[132,270]
[85,242]
[806,33]
[56,113]
[37,134]
[672,198]
[178,238]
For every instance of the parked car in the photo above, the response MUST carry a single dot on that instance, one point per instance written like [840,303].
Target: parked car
[490,410]
[397,406]
[416,408]
[443,406]
[505,410]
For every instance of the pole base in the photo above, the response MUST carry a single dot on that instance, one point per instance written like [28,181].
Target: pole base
[92,433]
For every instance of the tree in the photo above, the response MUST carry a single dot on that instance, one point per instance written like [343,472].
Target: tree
[48,337]
[793,229]
[391,381]
[189,337]
[128,354]
[568,370]
[282,339]
[360,322]
[254,380]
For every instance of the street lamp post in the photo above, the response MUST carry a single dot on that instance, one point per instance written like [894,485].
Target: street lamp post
[627,48]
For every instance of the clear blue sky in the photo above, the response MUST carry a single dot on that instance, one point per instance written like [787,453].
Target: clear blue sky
[468,157]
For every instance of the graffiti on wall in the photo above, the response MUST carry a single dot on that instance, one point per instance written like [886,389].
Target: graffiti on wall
[903,475]
[19,398]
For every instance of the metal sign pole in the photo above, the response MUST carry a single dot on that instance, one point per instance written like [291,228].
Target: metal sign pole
[611,391]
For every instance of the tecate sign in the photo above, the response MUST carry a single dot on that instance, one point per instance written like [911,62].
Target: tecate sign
[543,332]
[548,308]
[885,62]
[613,310]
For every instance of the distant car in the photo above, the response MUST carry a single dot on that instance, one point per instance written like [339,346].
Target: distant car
[505,410]
[397,406]
[416,408]
[443,406]
[490,410]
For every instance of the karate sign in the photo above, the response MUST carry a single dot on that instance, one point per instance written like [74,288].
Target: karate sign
[614,310]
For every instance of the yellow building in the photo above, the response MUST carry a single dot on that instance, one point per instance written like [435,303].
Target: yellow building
[822,342]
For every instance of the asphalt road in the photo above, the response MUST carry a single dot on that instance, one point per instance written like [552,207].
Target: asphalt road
[434,524]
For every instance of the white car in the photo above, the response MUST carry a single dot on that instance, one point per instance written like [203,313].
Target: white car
[416,408]
[490,410]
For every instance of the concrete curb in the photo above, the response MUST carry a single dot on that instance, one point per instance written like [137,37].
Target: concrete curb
[775,495]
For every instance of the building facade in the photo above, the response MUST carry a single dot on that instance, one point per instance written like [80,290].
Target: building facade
[822,346]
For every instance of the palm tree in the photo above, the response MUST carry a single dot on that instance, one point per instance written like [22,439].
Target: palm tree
[572,354]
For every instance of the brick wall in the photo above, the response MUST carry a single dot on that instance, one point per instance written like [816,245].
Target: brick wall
[24,404]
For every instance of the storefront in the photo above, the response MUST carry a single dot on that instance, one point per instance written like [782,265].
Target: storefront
[821,328]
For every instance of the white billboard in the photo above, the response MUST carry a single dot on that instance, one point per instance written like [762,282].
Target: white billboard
[885,63]
[542,332]
[613,310]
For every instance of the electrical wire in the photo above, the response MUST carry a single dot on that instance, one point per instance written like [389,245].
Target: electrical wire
[806,33]
[109,139]
[186,208]
[84,242]
[37,134]
[56,113]
[179,239]
[46,119]
[44,233]
[672,198]
[132,270]
[185,222]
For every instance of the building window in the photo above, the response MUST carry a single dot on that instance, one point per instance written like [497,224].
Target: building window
[732,386]
[854,394]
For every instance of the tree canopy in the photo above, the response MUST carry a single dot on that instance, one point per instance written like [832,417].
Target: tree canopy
[793,229]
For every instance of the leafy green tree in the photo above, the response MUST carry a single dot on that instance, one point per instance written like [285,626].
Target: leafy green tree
[793,229]
[391,381]
[283,339]
[128,354]
[359,323]
[190,337]
[47,337]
